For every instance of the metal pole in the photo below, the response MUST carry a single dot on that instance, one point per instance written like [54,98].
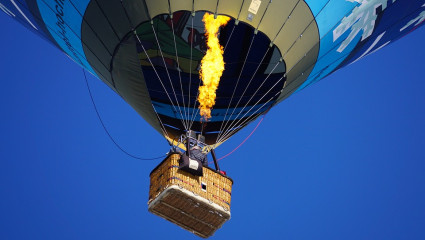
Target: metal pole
[188,146]
[215,160]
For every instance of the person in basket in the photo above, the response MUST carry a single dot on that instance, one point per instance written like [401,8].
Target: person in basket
[196,153]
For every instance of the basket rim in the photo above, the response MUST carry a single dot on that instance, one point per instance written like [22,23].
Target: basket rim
[171,153]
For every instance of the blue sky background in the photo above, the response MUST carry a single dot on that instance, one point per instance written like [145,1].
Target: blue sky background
[342,159]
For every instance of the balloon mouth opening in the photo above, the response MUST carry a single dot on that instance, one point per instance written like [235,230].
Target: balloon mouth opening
[170,50]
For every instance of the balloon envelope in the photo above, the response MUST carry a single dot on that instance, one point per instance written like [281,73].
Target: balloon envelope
[149,51]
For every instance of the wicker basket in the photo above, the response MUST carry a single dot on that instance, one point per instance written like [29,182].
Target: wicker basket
[198,204]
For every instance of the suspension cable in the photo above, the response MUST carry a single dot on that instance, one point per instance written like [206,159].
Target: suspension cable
[255,33]
[231,125]
[106,130]
[229,128]
[246,88]
[316,74]
[190,74]
[178,69]
[236,124]
[169,77]
[164,130]
[236,86]
[242,143]
[231,34]
[282,27]
[226,124]
[159,78]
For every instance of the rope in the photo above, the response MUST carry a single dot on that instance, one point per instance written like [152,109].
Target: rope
[164,131]
[236,125]
[231,34]
[290,48]
[168,74]
[232,125]
[106,130]
[230,131]
[246,88]
[190,75]
[223,124]
[186,118]
[242,143]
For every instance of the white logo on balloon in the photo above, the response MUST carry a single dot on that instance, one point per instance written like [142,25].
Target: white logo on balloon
[363,17]
[418,20]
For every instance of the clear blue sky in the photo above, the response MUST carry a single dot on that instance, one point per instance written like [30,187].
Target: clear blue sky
[342,159]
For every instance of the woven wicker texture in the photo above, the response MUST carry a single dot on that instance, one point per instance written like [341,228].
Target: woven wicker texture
[198,204]
[212,186]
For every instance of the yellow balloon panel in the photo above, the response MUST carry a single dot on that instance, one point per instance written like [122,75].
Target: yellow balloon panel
[252,11]
[230,8]
[276,15]
[206,5]
[292,30]
[300,48]
[178,5]
[157,7]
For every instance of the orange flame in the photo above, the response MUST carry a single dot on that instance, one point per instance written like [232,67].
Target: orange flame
[212,64]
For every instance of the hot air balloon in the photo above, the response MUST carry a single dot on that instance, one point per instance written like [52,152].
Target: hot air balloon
[150,52]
